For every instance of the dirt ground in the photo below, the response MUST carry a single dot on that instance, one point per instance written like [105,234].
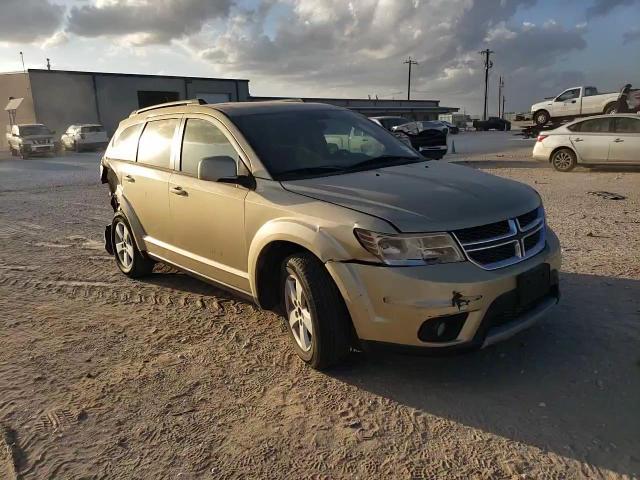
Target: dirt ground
[106,377]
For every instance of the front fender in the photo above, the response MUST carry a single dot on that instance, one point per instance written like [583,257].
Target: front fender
[313,237]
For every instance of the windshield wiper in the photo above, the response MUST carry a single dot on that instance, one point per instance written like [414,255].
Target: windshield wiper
[386,160]
[310,170]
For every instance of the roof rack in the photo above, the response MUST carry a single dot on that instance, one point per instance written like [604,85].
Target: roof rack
[179,103]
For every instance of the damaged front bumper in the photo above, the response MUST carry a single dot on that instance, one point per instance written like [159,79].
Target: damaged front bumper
[450,306]
[108,239]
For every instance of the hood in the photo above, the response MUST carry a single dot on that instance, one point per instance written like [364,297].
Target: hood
[425,196]
[541,105]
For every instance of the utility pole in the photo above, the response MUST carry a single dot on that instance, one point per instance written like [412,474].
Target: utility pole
[503,100]
[410,62]
[487,65]
[500,87]
[22,58]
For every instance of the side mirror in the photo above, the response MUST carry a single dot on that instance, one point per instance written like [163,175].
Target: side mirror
[214,169]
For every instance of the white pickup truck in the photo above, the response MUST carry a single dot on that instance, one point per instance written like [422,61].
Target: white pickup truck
[574,102]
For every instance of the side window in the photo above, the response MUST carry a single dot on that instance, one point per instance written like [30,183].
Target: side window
[569,95]
[203,139]
[590,91]
[596,125]
[125,145]
[627,125]
[155,143]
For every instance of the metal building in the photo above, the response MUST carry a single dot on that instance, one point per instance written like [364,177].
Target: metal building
[410,109]
[59,98]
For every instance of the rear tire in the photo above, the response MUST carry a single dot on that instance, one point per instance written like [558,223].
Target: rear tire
[541,117]
[564,160]
[130,260]
[611,108]
[316,316]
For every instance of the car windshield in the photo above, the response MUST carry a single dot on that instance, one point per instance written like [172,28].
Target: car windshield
[308,143]
[28,130]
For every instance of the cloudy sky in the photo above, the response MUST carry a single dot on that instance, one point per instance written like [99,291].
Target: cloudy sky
[339,48]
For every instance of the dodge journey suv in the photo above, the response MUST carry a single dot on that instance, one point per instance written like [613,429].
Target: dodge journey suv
[317,213]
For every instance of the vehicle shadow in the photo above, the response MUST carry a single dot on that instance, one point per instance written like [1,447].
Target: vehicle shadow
[570,385]
[168,277]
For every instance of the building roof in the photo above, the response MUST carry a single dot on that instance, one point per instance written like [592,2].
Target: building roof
[142,75]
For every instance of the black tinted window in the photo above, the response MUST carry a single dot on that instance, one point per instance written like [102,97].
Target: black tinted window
[569,95]
[92,128]
[203,139]
[305,142]
[627,125]
[589,91]
[596,125]
[124,146]
[155,143]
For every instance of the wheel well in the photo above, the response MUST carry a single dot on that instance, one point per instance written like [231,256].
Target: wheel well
[562,148]
[541,110]
[268,271]
[608,105]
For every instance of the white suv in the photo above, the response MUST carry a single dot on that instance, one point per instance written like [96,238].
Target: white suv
[84,137]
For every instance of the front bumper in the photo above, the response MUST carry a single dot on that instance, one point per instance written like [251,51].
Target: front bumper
[391,304]
[34,149]
[436,152]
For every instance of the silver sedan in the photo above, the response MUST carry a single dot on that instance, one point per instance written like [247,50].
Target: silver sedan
[599,140]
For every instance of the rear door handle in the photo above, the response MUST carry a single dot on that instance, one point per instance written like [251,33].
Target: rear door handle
[577,139]
[618,140]
[178,191]
[129,178]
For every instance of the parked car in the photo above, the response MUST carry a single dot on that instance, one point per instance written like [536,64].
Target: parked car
[354,247]
[84,137]
[453,129]
[389,122]
[427,137]
[31,139]
[574,102]
[599,140]
[492,123]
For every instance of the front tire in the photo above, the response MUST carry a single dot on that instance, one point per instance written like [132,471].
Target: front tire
[315,314]
[564,160]
[129,259]
[541,117]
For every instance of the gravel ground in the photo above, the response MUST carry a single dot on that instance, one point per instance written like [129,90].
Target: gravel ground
[106,377]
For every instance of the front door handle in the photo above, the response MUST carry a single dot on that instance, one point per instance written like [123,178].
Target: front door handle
[178,191]
[129,178]
[618,140]
[577,139]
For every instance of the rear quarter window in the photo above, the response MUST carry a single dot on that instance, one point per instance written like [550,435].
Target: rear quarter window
[627,125]
[125,145]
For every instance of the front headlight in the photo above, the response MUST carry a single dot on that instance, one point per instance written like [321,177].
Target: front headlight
[410,249]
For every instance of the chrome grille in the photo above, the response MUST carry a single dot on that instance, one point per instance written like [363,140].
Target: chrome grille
[504,243]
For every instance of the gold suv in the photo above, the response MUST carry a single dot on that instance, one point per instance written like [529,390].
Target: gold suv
[320,214]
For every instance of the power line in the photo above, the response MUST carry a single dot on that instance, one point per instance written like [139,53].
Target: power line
[410,62]
[487,65]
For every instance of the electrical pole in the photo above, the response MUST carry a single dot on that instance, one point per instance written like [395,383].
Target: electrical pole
[410,62]
[487,65]
[500,87]
[503,100]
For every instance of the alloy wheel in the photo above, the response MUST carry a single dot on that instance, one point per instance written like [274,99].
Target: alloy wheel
[562,160]
[298,313]
[124,245]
